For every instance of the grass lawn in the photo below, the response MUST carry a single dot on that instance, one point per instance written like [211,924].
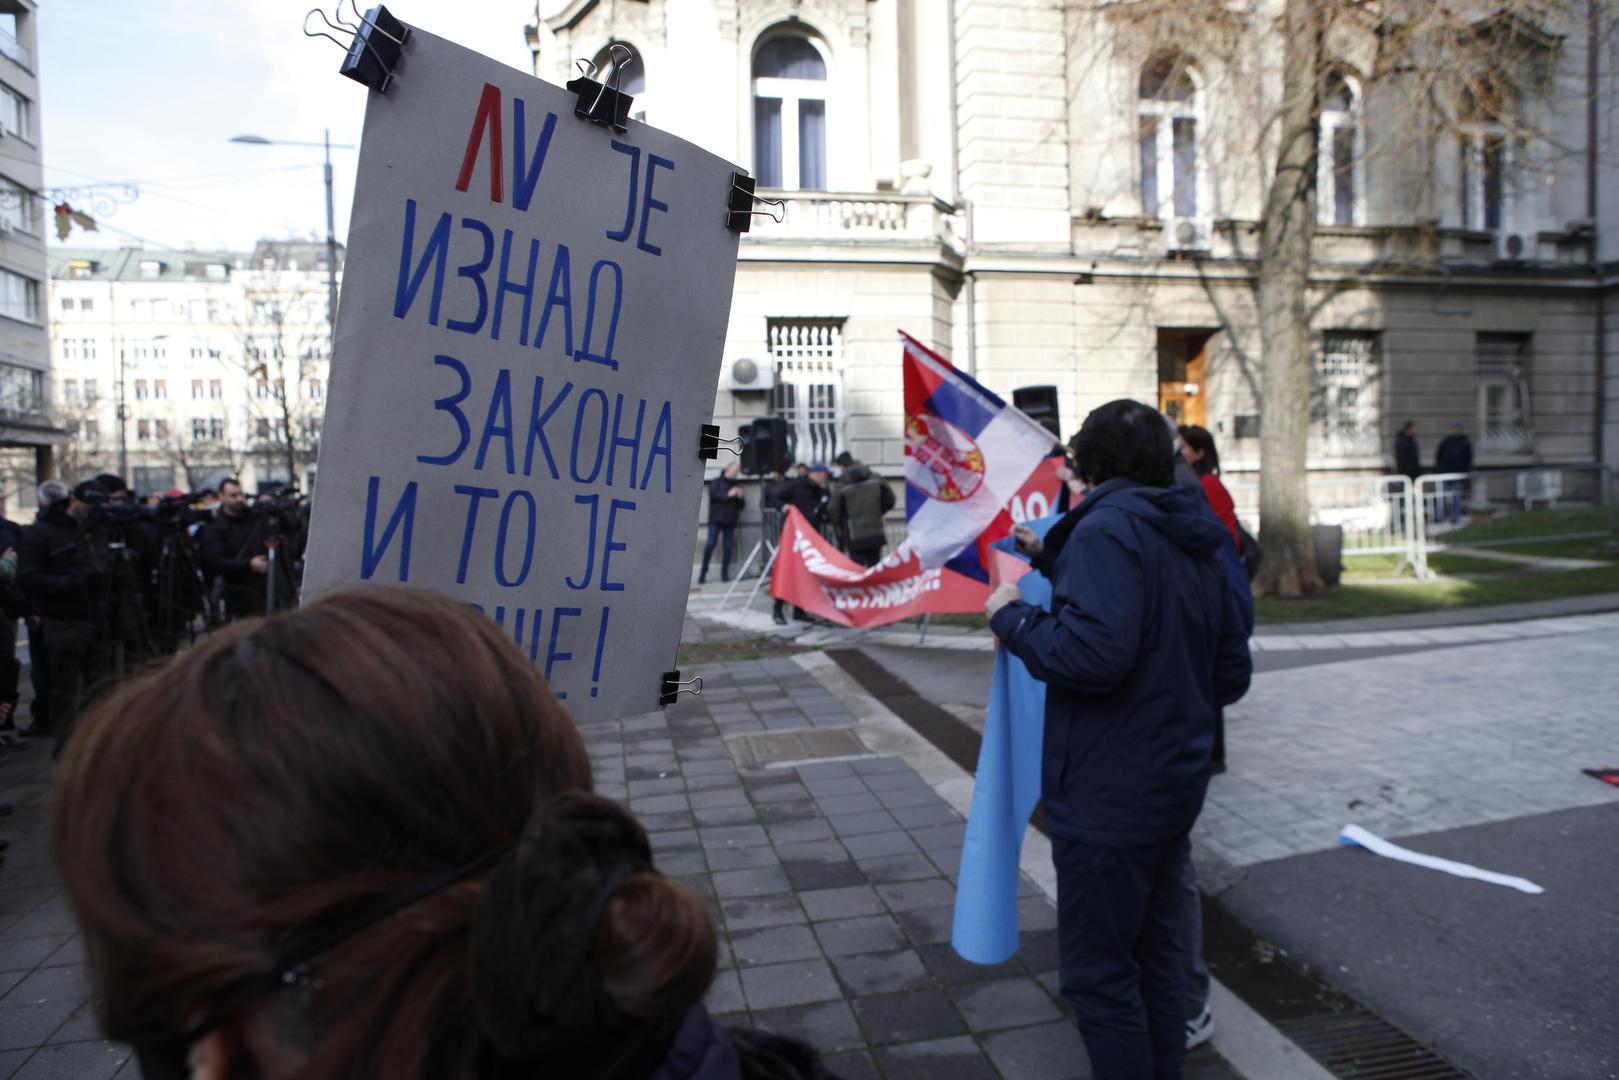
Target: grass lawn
[1574,519]
[1350,601]
[1589,548]
[724,652]
[1440,562]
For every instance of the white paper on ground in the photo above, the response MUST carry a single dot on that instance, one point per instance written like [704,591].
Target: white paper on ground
[1354,834]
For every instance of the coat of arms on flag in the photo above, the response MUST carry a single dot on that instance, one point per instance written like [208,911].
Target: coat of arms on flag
[967,452]
[952,466]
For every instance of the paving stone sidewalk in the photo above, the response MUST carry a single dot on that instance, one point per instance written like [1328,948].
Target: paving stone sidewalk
[47,1024]
[831,884]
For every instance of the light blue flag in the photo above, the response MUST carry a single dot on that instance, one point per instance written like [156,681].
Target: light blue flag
[1005,793]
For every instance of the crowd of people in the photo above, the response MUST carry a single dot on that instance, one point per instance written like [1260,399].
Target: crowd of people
[105,580]
[848,508]
[359,839]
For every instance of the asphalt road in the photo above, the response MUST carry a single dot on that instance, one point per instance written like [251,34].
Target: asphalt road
[1504,984]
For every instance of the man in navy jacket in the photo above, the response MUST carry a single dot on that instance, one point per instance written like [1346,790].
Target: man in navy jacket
[1144,641]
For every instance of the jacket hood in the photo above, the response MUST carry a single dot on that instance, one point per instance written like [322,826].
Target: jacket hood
[857,474]
[1177,513]
[56,513]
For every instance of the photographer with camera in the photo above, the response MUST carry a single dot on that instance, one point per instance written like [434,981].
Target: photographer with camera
[64,577]
[233,549]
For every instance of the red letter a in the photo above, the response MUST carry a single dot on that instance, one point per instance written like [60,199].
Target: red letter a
[488,118]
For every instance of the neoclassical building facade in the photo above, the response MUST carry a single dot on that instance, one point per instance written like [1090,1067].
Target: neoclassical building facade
[1071,194]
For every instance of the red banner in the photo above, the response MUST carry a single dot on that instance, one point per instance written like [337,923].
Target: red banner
[1038,496]
[813,574]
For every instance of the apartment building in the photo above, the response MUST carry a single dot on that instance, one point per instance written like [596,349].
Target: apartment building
[175,369]
[28,432]
[1059,193]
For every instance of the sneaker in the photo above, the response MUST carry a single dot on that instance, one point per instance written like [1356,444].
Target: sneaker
[1201,1030]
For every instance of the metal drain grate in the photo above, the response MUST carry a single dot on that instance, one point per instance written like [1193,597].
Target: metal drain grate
[1357,1044]
[757,749]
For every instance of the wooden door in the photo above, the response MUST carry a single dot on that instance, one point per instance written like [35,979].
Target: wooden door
[1184,396]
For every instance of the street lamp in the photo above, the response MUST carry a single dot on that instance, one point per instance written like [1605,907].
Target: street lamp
[331,228]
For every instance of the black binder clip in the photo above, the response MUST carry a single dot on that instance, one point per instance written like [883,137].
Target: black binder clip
[739,209]
[374,54]
[601,102]
[671,687]
[709,443]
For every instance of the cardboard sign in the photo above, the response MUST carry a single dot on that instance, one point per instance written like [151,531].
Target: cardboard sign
[529,340]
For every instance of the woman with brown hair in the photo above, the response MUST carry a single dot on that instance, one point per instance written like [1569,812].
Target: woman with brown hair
[1197,447]
[359,841]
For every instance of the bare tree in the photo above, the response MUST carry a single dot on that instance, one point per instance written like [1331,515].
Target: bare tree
[280,341]
[200,453]
[80,455]
[1430,70]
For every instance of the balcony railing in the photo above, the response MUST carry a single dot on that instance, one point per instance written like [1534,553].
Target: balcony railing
[13,51]
[854,217]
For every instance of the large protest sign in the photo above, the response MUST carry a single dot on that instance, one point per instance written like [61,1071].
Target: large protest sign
[528,343]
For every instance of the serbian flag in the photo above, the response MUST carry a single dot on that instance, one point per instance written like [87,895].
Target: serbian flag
[967,453]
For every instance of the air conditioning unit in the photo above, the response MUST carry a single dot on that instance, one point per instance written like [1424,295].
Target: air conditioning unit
[1189,234]
[1511,247]
[748,376]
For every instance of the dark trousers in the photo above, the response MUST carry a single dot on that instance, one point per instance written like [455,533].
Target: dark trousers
[866,552]
[715,532]
[779,608]
[39,669]
[1119,922]
[78,663]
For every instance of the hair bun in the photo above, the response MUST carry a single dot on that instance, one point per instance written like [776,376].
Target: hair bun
[532,935]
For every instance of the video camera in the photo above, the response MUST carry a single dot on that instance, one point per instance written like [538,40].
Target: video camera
[178,510]
[103,511]
[284,499]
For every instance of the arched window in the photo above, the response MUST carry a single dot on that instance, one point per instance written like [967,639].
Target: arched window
[1488,157]
[1338,180]
[789,114]
[1169,107]
[632,78]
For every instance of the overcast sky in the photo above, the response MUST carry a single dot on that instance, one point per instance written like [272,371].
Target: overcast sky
[152,90]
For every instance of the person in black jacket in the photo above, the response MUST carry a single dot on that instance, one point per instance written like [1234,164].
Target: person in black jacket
[13,606]
[858,507]
[1455,455]
[66,579]
[1143,643]
[233,549]
[1407,454]
[725,502]
[810,492]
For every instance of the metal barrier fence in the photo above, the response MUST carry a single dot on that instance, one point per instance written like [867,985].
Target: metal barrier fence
[1374,512]
[1380,515]
[1514,507]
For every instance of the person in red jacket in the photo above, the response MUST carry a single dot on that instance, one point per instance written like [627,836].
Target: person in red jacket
[1197,447]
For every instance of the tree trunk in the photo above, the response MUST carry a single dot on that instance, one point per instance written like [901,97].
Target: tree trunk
[289,440]
[1289,568]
